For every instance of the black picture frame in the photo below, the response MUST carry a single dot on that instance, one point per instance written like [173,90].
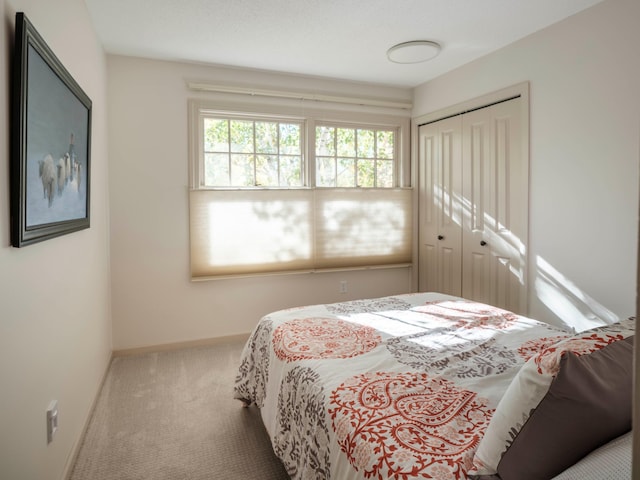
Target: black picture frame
[50,143]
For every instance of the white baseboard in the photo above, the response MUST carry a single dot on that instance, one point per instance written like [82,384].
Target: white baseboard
[71,459]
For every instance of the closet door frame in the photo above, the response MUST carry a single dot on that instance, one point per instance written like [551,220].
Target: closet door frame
[519,90]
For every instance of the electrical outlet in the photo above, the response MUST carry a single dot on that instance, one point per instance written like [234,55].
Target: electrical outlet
[52,420]
[343,286]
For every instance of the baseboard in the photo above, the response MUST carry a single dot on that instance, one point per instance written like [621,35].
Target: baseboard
[205,342]
[71,460]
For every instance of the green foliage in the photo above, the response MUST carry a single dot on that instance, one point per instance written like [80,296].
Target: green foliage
[216,135]
[385,142]
[217,169]
[349,157]
[384,173]
[325,172]
[366,144]
[247,153]
[325,141]
[266,137]
[346,172]
[290,139]
[241,136]
[346,142]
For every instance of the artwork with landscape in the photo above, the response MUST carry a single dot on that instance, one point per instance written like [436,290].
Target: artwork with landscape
[50,143]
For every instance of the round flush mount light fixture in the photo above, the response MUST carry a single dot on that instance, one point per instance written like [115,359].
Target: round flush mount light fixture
[415,51]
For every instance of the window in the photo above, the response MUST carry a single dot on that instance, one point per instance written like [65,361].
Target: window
[354,157]
[273,193]
[248,153]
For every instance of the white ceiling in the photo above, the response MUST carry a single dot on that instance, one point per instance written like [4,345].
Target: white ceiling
[343,39]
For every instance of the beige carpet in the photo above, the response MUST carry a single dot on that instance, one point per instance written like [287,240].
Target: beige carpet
[172,416]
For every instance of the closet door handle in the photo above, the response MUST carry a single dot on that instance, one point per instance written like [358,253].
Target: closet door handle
[440,237]
[482,243]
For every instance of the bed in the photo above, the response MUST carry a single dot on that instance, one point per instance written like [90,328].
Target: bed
[426,385]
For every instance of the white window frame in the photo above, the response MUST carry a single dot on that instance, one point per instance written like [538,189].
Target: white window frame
[198,176]
[361,126]
[199,109]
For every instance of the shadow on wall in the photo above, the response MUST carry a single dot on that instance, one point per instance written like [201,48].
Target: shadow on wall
[574,308]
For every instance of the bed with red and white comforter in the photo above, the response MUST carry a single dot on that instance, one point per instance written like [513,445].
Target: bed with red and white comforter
[397,387]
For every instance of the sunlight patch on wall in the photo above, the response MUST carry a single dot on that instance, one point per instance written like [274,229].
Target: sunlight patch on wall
[576,309]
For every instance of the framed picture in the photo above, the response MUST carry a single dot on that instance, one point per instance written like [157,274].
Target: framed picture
[50,143]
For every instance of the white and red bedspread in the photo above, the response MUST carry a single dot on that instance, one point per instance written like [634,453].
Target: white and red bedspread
[398,387]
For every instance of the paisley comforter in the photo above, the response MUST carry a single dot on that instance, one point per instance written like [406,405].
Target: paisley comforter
[398,387]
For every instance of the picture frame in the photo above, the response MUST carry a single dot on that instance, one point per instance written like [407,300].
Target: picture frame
[50,143]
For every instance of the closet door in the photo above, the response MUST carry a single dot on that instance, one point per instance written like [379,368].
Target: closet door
[495,207]
[440,231]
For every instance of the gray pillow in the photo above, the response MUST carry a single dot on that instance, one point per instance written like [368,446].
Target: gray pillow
[588,404]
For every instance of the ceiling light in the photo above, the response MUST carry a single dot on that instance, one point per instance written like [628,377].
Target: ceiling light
[415,51]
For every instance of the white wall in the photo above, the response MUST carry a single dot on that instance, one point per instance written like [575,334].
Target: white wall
[55,325]
[154,301]
[584,76]
[585,98]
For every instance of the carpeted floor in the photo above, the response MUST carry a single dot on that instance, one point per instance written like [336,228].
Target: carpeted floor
[172,416]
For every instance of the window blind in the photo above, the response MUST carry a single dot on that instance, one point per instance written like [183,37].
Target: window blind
[239,232]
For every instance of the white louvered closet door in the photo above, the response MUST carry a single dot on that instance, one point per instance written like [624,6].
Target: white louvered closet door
[474,206]
[440,230]
[496,206]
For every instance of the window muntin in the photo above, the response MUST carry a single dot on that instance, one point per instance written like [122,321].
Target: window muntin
[355,157]
[252,153]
